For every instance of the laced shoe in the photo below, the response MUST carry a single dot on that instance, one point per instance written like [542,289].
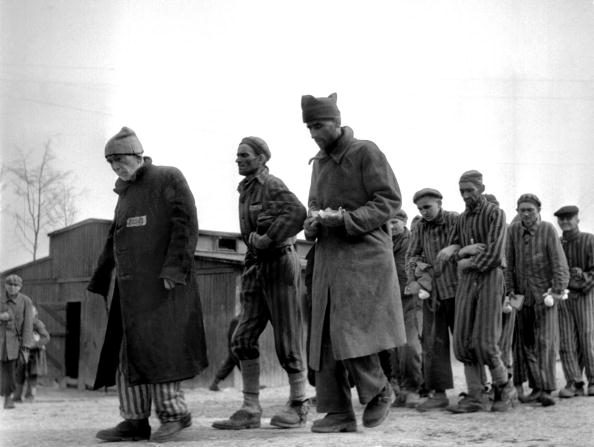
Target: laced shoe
[467,404]
[546,399]
[436,402]
[242,419]
[293,415]
[336,423]
[378,408]
[126,431]
[569,391]
[505,397]
[168,430]
[534,396]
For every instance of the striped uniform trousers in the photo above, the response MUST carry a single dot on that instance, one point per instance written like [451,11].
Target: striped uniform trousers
[135,401]
[477,324]
[576,328]
[538,337]
[270,292]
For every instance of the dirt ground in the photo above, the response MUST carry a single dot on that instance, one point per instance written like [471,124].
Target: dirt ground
[68,417]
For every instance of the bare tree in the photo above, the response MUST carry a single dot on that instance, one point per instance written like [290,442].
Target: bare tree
[45,198]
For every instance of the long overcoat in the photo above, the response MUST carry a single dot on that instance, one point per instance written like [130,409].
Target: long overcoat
[153,237]
[17,332]
[354,275]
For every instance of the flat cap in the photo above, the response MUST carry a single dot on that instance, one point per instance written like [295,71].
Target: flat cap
[530,198]
[427,192]
[14,280]
[567,210]
[401,215]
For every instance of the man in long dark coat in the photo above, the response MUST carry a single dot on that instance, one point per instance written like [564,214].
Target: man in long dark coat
[356,307]
[155,334]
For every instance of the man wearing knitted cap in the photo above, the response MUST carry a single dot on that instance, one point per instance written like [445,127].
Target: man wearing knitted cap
[428,238]
[155,335]
[576,314]
[477,243]
[356,307]
[16,335]
[536,267]
[270,216]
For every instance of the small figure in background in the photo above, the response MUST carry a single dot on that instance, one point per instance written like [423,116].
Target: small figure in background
[27,373]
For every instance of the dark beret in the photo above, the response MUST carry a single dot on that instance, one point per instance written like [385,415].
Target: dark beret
[568,210]
[531,198]
[427,192]
[258,145]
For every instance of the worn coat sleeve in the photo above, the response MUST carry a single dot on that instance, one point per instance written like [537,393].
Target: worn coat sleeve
[288,210]
[381,184]
[510,257]
[184,229]
[101,278]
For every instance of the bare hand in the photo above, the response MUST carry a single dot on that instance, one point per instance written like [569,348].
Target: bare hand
[447,253]
[168,283]
[260,241]
[472,250]
[332,218]
[413,288]
[4,316]
[311,227]
[464,264]
[576,273]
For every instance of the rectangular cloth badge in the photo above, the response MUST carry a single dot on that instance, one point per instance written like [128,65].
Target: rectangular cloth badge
[138,221]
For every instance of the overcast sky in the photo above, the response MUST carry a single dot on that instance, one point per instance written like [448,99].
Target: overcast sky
[503,86]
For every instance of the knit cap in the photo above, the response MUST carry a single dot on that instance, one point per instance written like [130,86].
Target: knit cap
[472,176]
[125,142]
[319,108]
[530,198]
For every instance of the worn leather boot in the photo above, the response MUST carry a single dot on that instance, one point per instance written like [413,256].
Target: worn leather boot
[242,419]
[336,423]
[506,397]
[293,415]
[168,430]
[127,430]
[378,408]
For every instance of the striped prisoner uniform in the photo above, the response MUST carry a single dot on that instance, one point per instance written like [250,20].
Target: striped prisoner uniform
[427,239]
[271,278]
[477,325]
[576,315]
[536,262]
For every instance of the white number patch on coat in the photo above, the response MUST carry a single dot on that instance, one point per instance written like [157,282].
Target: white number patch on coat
[138,221]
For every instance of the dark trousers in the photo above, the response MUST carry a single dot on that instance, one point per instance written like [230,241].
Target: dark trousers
[7,377]
[438,322]
[538,335]
[333,390]
[225,369]
[408,357]
[270,292]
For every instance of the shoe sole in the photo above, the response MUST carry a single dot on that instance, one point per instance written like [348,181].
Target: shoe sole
[349,427]
[236,427]
[281,424]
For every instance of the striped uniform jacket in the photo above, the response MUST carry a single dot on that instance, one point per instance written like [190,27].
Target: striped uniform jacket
[400,243]
[477,325]
[427,239]
[536,261]
[576,315]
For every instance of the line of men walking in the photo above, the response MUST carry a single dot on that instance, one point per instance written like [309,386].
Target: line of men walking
[360,314]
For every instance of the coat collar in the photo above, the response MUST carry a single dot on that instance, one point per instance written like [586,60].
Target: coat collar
[341,147]
[260,177]
[121,185]
[569,236]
